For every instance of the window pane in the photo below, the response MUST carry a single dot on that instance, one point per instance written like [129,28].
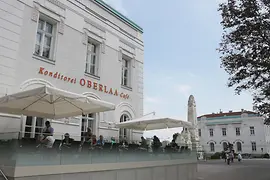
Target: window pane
[39,122]
[46,48]
[86,67]
[125,82]
[125,73]
[46,52]
[92,48]
[125,63]
[48,28]
[93,59]
[92,69]
[47,41]
[38,38]
[28,120]
[40,25]
[38,42]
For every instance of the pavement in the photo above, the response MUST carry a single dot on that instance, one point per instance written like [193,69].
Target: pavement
[250,169]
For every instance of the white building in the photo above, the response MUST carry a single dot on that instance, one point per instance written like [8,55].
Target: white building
[82,46]
[244,129]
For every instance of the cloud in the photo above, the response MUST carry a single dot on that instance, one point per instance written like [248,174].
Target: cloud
[184,89]
[118,5]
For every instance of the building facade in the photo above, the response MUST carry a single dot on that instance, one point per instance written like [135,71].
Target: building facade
[245,130]
[82,46]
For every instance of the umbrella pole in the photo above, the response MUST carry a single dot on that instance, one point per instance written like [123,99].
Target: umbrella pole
[21,127]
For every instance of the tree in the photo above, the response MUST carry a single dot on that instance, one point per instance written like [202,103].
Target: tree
[245,49]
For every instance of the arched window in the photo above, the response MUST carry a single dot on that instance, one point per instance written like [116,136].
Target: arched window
[239,146]
[225,146]
[212,147]
[123,133]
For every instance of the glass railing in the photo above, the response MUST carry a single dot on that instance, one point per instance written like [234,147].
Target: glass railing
[22,149]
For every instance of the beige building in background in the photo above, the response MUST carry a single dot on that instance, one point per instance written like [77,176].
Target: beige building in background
[244,129]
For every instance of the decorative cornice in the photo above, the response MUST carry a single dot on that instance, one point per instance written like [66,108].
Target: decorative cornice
[58,3]
[61,26]
[35,13]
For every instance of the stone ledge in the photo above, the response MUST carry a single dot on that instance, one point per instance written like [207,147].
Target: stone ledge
[85,168]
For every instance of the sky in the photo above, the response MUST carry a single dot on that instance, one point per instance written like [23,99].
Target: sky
[181,38]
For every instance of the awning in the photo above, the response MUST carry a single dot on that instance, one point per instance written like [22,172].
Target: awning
[153,123]
[52,103]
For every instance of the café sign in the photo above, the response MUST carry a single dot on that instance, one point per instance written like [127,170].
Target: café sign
[83,82]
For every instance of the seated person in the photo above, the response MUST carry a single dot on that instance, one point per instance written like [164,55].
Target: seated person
[48,129]
[66,141]
[48,140]
[93,142]
[100,142]
[156,143]
[143,143]
[47,136]
[123,144]
[112,142]
[88,134]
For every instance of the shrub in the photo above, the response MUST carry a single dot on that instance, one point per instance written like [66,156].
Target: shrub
[217,155]
[266,155]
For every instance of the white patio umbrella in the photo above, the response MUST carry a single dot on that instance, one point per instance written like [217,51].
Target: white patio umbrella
[52,103]
[153,123]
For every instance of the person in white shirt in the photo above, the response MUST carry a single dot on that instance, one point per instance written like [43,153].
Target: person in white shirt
[48,141]
[239,157]
[48,138]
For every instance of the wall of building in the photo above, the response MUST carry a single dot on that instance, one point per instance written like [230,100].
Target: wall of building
[76,21]
[243,122]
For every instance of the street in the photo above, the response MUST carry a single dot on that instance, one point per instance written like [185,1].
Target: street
[246,170]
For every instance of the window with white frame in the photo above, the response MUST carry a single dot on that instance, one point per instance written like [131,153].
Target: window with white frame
[45,38]
[224,131]
[33,127]
[126,72]
[211,132]
[92,58]
[252,130]
[123,133]
[237,131]
[253,146]
[212,147]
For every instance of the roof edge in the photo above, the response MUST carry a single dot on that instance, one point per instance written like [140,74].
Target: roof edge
[228,114]
[119,15]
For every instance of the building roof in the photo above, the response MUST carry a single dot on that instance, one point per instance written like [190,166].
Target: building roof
[119,15]
[221,114]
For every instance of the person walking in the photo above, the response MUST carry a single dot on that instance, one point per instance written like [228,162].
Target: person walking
[239,157]
[228,158]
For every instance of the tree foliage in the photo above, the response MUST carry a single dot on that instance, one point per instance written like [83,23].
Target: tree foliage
[245,49]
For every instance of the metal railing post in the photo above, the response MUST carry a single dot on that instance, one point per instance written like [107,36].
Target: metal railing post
[3,174]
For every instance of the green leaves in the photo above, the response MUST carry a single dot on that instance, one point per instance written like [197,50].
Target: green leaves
[245,49]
